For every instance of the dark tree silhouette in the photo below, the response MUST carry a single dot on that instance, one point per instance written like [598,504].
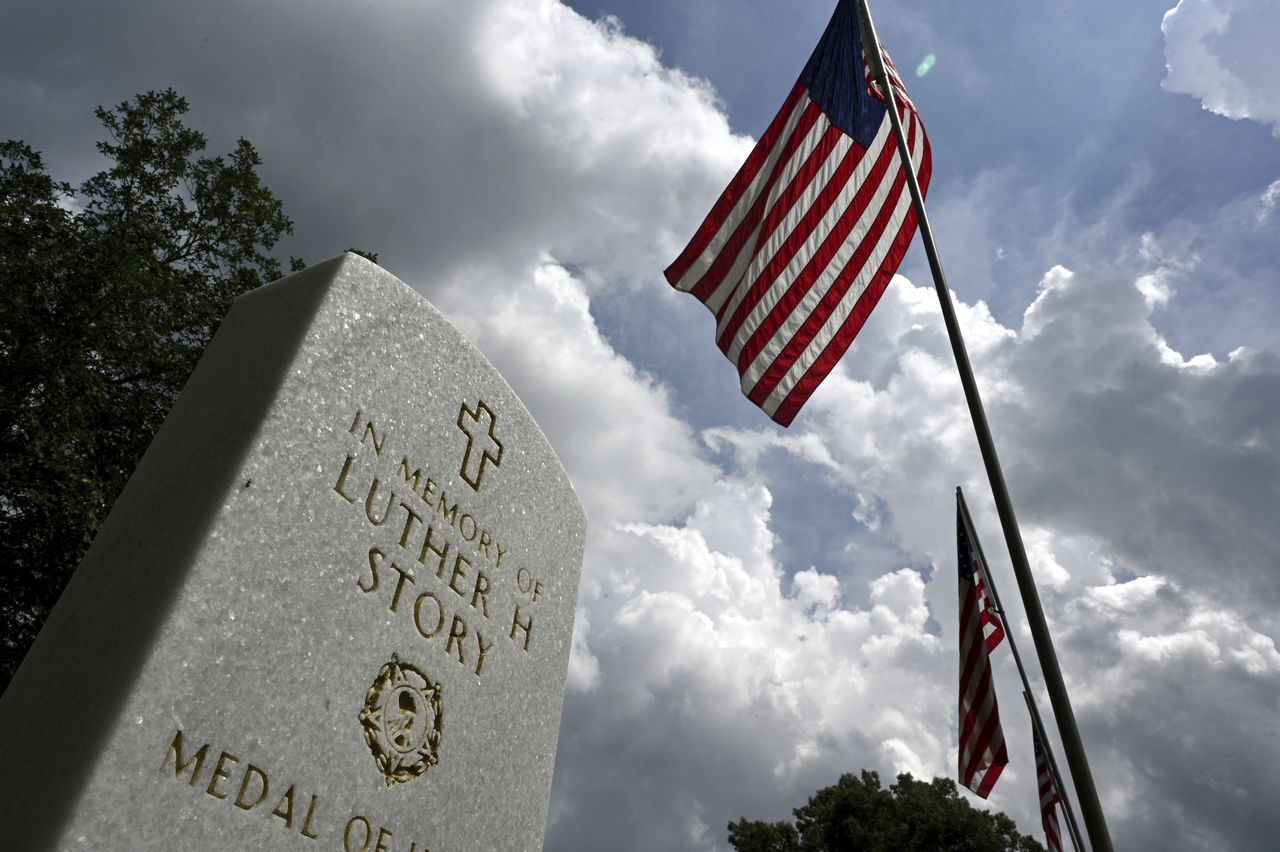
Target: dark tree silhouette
[857,815]
[108,297]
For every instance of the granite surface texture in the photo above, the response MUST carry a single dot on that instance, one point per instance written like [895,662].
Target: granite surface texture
[331,610]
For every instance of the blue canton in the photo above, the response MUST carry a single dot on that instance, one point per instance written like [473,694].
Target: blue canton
[836,78]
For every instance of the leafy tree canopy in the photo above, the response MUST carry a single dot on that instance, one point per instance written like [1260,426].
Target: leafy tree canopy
[857,815]
[108,297]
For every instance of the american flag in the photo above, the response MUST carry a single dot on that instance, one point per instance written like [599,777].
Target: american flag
[982,751]
[1048,795]
[803,241]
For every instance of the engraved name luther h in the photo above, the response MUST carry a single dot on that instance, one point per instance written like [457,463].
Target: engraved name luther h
[483,446]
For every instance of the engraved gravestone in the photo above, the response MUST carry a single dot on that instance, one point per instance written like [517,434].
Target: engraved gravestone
[330,611]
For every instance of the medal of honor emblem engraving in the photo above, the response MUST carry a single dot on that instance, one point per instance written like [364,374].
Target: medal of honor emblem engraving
[402,720]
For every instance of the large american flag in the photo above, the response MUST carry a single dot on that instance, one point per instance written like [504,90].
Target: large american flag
[1048,795]
[803,241]
[982,751]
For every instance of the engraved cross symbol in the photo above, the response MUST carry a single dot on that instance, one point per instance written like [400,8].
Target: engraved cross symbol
[478,426]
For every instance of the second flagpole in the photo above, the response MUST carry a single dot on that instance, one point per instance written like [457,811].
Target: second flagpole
[1086,793]
[989,584]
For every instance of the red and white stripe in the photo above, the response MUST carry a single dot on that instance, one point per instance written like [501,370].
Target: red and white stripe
[1048,797]
[801,245]
[983,755]
[992,629]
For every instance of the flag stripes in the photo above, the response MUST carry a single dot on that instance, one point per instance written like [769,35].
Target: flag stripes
[826,224]
[983,755]
[1048,795]
[992,629]
[805,238]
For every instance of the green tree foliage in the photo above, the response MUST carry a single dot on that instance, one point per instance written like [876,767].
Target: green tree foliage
[108,297]
[857,815]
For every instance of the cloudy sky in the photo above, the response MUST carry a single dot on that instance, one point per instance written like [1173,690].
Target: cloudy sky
[762,609]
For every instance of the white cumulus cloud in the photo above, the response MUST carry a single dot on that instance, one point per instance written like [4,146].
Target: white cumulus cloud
[531,171]
[1223,53]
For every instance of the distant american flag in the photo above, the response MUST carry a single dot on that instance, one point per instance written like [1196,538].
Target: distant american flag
[1048,795]
[982,751]
[803,241]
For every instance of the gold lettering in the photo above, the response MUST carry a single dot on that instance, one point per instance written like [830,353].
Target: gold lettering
[417,615]
[249,771]
[220,774]
[410,479]
[449,513]
[395,599]
[355,424]
[481,593]
[175,748]
[440,552]
[410,517]
[254,788]
[484,649]
[458,631]
[346,834]
[483,545]
[342,477]
[287,813]
[306,821]
[384,833]
[537,590]
[429,491]
[459,571]
[501,552]
[462,527]
[527,627]
[375,556]
[368,504]
[378,443]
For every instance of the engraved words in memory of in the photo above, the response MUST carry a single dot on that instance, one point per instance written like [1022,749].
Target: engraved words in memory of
[440,564]
[437,564]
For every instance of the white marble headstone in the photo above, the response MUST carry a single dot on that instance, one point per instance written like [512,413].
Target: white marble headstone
[331,610]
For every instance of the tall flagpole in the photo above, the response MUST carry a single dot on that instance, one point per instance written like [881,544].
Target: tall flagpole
[989,585]
[1095,822]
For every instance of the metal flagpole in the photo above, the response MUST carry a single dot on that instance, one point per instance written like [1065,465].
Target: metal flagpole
[990,585]
[1095,822]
